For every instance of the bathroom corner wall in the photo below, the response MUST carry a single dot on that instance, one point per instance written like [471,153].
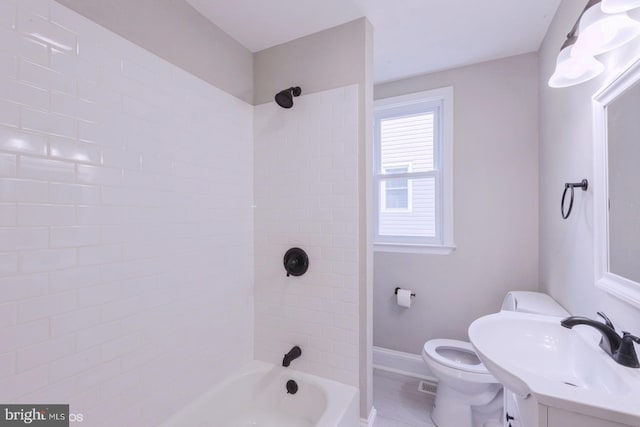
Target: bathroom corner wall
[125,222]
[495,207]
[566,154]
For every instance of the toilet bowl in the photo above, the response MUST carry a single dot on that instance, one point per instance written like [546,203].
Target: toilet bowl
[468,395]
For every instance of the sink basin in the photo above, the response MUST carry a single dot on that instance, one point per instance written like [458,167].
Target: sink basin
[534,355]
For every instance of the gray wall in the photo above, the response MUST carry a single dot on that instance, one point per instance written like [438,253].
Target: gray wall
[566,154]
[176,32]
[496,208]
[325,60]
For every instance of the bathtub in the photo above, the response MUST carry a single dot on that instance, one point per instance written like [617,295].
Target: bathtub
[257,396]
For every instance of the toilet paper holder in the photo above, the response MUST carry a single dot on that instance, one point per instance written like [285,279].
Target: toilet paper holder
[398,288]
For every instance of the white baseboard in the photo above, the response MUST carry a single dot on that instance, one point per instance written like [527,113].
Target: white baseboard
[371,420]
[398,362]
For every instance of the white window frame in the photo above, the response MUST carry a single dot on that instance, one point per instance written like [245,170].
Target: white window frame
[442,100]
[383,191]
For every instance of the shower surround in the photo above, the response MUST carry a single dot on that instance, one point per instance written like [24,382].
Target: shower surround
[126,228]
[306,195]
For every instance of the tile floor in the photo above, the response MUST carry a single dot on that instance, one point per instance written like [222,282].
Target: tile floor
[399,403]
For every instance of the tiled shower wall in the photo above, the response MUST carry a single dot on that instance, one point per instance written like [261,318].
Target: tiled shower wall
[306,192]
[126,225]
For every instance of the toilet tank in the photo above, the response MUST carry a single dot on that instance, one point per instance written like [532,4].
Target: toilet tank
[533,302]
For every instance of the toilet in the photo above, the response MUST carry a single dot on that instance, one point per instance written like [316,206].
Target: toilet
[468,395]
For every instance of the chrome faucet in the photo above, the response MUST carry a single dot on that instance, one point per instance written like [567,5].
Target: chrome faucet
[621,349]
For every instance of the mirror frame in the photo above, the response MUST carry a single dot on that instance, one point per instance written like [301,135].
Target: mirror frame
[618,286]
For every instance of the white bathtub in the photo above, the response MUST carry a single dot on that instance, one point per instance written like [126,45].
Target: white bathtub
[257,396]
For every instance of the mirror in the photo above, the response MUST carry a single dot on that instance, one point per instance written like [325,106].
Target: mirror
[616,186]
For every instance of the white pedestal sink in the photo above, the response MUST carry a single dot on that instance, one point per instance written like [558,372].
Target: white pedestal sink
[561,368]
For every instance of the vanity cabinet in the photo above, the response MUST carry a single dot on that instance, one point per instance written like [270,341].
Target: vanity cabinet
[528,412]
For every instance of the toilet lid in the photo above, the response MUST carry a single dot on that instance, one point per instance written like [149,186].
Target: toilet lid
[455,354]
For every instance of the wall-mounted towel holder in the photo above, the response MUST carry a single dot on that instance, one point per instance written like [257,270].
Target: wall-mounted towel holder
[584,185]
[398,288]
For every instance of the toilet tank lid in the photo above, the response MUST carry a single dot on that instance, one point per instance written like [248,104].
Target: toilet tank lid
[533,302]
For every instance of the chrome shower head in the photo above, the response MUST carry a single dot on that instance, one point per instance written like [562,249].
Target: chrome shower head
[284,98]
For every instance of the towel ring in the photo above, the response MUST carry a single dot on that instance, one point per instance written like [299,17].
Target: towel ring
[584,185]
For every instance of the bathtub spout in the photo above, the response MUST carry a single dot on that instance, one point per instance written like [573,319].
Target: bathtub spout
[293,354]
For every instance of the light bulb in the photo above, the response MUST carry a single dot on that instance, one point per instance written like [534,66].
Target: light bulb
[600,32]
[617,6]
[572,69]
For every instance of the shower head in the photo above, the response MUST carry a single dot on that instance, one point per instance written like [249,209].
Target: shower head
[284,98]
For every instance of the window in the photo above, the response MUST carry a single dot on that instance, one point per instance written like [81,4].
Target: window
[396,192]
[413,172]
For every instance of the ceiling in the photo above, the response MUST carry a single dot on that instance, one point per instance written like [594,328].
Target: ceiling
[411,37]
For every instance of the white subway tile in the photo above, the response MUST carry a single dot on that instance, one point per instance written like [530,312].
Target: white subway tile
[9,113]
[21,190]
[22,142]
[64,237]
[21,239]
[74,364]
[7,365]
[13,42]
[122,345]
[79,277]
[46,306]
[99,215]
[74,194]
[91,255]
[99,175]
[46,32]
[74,321]
[8,65]
[8,314]
[46,215]
[46,169]
[49,123]
[97,375]
[20,384]
[98,334]
[8,13]
[18,336]
[47,260]
[73,150]
[17,288]
[8,214]
[37,7]
[56,393]
[122,308]
[8,164]
[100,294]
[8,264]
[24,94]
[45,352]
[117,158]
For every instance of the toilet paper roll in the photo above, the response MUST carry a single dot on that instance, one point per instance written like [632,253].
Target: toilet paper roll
[403,298]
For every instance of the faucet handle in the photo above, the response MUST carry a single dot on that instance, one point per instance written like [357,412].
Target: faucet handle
[626,336]
[626,354]
[607,321]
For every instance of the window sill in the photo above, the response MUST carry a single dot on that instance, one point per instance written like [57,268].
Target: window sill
[414,248]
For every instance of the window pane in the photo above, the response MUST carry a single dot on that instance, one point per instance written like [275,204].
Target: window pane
[407,140]
[418,219]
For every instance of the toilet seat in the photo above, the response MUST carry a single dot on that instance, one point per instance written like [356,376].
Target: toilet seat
[436,350]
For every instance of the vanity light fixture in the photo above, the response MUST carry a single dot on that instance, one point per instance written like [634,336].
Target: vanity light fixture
[617,6]
[600,32]
[595,32]
[574,69]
